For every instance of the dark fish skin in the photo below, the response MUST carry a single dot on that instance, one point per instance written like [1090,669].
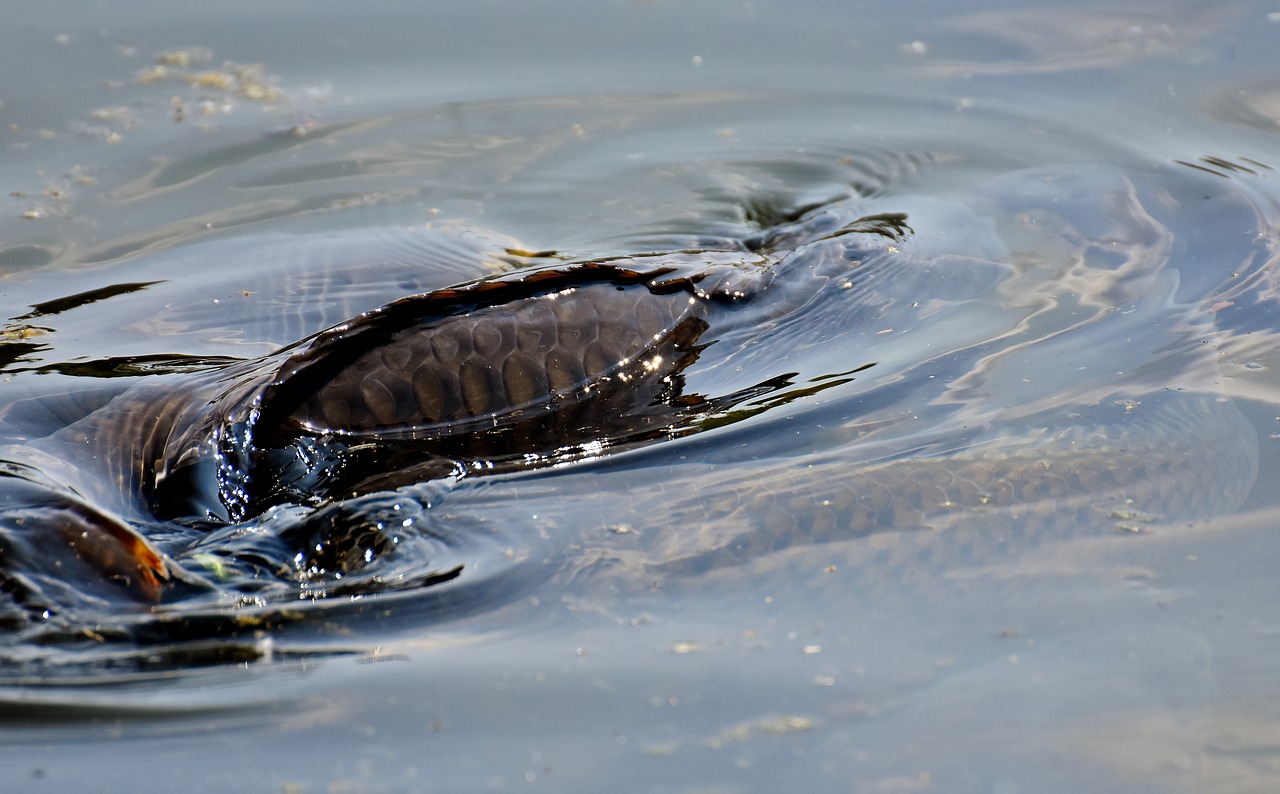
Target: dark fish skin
[512,370]
[423,368]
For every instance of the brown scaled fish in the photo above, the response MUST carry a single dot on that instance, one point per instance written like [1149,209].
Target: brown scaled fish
[512,372]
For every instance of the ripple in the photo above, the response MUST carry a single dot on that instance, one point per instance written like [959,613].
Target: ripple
[942,310]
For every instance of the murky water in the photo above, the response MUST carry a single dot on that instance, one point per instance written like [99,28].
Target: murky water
[844,581]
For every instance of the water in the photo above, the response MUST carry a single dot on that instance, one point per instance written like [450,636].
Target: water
[1108,169]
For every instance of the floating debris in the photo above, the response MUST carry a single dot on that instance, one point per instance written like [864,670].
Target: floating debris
[686,646]
[243,81]
[184,58]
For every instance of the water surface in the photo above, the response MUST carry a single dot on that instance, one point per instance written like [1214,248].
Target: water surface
[1105,175]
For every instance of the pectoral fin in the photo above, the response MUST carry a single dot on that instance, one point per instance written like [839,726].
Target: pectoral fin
[52,530]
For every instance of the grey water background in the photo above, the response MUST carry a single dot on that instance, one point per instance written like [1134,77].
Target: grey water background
[1126,664]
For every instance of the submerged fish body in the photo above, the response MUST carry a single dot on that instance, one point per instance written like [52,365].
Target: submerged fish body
[318,469]
[506,373]
[522,371]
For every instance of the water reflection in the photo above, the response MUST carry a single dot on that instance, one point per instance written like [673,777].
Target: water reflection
[1025,436]
[1046,40]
